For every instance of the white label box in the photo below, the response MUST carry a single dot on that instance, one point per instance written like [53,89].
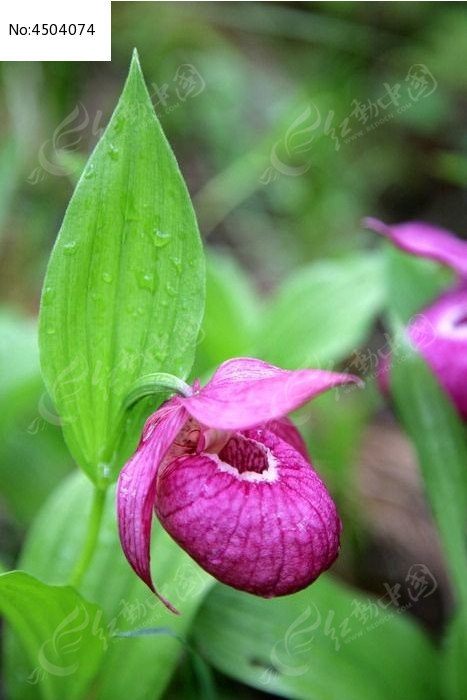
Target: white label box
[49,30]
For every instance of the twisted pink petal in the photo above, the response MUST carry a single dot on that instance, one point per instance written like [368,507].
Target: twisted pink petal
[137,488]
[245,392]
[425,241]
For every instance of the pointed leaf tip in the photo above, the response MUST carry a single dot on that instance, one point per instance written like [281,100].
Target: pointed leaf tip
[135,64]
[129,233]
[136,75]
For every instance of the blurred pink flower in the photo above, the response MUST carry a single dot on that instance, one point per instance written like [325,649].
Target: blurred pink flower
[439,332]
[229,478]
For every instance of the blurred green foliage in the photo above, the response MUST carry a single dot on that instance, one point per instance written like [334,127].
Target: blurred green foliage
[262,65]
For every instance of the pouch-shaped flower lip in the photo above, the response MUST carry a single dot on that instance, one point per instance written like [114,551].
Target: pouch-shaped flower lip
[439,332]
[228,476]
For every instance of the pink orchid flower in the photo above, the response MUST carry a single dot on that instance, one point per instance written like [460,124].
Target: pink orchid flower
[439,332]
[229,478]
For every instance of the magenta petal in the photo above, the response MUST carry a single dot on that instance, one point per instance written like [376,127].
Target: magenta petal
[440,334]
[257,517]
[245,392]
[137,485]
[286,430]
[425,241]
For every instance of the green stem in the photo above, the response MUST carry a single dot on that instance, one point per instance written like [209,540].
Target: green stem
[92,534]
[151,384]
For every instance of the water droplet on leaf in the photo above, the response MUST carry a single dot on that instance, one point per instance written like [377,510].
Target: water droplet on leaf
[104,470]
[177,263]
[113,152]
[146,280]
[47,295]
[119,124]
[69,248]
[89,172]
[160,238]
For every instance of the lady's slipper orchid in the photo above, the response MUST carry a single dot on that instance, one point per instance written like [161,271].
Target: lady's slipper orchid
[229,478]
[439,332]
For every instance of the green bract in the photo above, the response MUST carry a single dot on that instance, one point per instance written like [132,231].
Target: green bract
[124,290]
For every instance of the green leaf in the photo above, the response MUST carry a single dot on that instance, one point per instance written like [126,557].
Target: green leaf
[454,671]
[196,675]
[335,431]
[19,358]
[323,312]
[56,627]
[139,668]
[412,283]
[231,319]
[440,439]
[124,290]
[31,446]
[313,645]
[8,176]
[33,456]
